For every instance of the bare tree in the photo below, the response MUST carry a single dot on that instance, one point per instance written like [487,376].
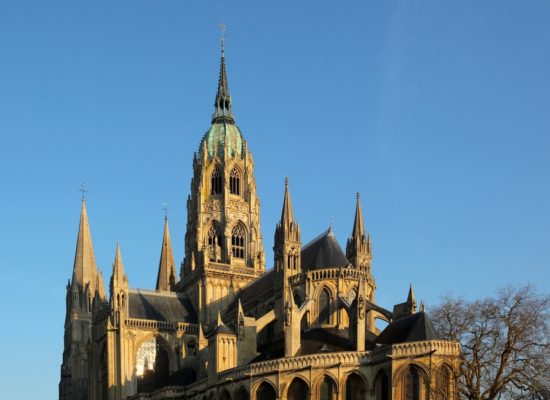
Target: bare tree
[505,343]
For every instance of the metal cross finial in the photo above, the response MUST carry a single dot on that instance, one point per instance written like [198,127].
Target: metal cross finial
[83,190]
[166,209]
[222,30]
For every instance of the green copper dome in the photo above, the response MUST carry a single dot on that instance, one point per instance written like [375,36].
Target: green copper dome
[223,134]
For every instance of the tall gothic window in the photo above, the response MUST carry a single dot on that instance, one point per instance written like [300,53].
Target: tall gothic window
[412,385]
[443,383]
[237,241]
[324,307]
[216,182]
[266,392]
[326,389]
[235,182]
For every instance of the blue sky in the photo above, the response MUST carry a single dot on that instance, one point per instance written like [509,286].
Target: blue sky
[437,112]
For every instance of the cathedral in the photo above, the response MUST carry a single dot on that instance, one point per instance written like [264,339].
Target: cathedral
[226,327]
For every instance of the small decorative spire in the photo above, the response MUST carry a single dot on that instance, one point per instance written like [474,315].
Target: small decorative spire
[166,277]
[287,215]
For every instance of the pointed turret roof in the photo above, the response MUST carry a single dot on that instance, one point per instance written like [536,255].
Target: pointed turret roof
[287,216]
[167,268]
[84,270]
[358,224]
[223,112]
[119,277]
[411,299]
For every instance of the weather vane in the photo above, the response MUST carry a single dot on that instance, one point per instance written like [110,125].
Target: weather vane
[83,190]
[165,208]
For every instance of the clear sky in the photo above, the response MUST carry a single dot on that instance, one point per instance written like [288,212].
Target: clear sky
[438,112]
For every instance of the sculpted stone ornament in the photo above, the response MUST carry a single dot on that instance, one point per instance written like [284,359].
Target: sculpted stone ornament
[240,331]
[288,314]
[361,307]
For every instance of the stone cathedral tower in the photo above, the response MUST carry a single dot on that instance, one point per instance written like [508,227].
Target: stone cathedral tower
[223,242]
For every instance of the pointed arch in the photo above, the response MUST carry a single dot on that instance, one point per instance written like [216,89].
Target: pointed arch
[298,390]
[152,364]
[225,395]
[355,387]
[235,177]
[327,388]
[266,391]
[324,306]
[444,383]
[216,181]
[415,383]
[241,394]
[381,386]
[238,241]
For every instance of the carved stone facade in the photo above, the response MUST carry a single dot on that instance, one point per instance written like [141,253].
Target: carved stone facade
[229,329]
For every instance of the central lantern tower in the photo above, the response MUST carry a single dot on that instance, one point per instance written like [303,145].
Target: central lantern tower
[223,242]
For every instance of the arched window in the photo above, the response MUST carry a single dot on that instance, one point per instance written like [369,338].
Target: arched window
[324,307]
[298,390]
[412,387]
[355,388]
[326,389]
[216,181]
[151,366]
[242,394]
[265,392]
[443,384]
[214,244]
[235,182]
[381,386]
[225,395]
[238,242]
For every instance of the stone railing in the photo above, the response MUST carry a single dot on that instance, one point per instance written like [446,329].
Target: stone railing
[161,325]
[166,393]
[213,266]
[297,363]
[438,347]
[330,273]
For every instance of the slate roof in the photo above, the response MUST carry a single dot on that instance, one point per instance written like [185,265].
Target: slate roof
[323,252]
[258,287]
[160,306]
[414,328]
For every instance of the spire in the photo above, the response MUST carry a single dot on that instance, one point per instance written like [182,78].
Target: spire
[411,300]
[287,215]
[119,277]
[223,112]
[167,269]
[358,225]
[84,270]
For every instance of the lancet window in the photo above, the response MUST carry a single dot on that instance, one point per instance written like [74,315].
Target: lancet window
[413,384]
[238,242]
[235,182]
[324,307]
[216,181]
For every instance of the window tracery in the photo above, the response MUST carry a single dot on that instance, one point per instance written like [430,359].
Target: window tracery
[235,182]
[216,181]
[238,242]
